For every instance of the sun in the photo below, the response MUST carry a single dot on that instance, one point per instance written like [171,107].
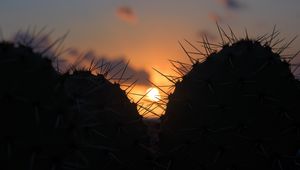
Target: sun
[153,94]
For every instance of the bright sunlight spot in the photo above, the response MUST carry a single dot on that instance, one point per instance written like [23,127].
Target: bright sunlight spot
[153,94]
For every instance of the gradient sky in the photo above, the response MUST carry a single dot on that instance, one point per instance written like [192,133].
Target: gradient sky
[147,31]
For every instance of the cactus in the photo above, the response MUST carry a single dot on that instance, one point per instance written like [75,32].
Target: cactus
[238,109]
[56,121]
[32,135]
[106,127]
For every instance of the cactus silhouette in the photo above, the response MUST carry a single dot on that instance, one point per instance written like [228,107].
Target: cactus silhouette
[106,127]
[51,120]
[238,109]
[32,135]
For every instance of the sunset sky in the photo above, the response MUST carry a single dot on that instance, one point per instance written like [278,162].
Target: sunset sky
[147,32]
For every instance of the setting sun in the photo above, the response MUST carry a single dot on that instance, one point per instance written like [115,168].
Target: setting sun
[153,94]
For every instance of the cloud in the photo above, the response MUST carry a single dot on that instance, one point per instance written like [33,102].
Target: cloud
[126,14]
[73,55]
[231,4]
[73,51]
[141,75]
[115,65]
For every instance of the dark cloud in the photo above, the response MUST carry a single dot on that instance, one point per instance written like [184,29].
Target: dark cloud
[141,75]
[126,14]
[80,59]
[73,52]
[231,4]
[116,67]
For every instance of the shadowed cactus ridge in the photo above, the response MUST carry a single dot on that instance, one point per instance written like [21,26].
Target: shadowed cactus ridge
[32,135]
[238,109]
[106,126]
[55,121]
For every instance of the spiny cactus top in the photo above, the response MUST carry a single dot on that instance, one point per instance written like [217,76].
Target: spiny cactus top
[52,121]
[239,109]
[31,131]
[105,124]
